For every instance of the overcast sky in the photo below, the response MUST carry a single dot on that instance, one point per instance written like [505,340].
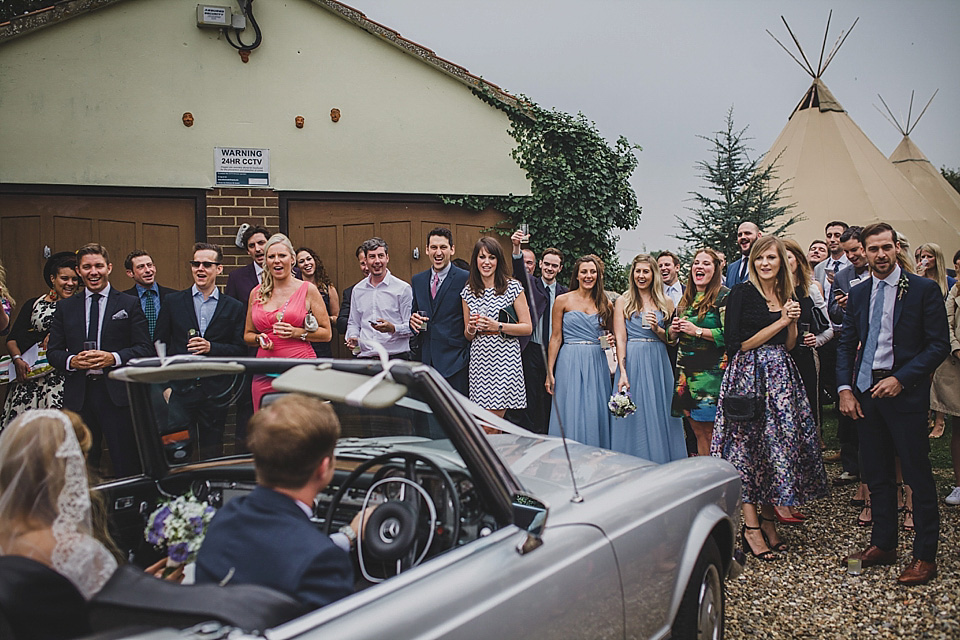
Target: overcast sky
[662,72]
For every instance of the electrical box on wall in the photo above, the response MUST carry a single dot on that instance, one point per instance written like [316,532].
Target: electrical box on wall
[214,16]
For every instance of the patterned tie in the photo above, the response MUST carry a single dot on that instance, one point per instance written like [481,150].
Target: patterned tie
[865,375]
[836,266]
[94,323]
[545,320]
[150,310]
[435,285]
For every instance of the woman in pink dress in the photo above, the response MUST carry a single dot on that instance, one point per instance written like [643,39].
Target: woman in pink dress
[277,310]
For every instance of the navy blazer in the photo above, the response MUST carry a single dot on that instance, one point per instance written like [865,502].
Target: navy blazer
[536,293]
[921,338]
[240,283]
[224,333]
[127,336]
[443,346]
[265,538]
[733,274]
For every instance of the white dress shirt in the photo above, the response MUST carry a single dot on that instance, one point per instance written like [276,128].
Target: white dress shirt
[883,356]
[674,291]
[391,300]
[87,294]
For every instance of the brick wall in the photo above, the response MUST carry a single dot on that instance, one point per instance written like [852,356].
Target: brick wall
[227,209]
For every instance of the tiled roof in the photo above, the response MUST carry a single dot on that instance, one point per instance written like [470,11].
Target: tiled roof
[66,9]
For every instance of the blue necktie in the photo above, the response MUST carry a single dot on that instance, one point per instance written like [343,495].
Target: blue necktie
[865,376]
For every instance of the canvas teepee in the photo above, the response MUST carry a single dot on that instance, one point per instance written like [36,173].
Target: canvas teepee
[834,172]
[921,173]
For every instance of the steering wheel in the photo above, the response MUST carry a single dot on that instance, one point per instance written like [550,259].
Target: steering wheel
[398,531]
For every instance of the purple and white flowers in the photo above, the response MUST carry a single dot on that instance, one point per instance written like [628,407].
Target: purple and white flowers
[621,404]
[179,526]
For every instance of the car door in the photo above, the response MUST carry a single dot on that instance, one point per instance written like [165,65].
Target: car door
[569,587]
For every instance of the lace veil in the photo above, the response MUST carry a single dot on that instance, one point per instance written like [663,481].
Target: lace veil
[45,510]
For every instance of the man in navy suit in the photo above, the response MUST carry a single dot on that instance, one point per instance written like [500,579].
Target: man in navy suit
[239,285]
[200,321]
[900,322]
[541,293]
[438,312]
[747,234]
[143,272]
[267,537]
[90,335]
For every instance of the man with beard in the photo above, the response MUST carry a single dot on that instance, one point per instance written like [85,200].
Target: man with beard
[899,321]
[747,234]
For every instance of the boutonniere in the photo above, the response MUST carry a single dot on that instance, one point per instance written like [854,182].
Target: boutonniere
[902,285]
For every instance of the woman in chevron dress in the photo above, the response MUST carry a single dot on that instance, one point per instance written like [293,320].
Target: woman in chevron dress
[495,371]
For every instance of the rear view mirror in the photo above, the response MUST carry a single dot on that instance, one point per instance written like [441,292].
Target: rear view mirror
[530,514]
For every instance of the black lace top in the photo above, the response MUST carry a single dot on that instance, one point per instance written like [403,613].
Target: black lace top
[747,313]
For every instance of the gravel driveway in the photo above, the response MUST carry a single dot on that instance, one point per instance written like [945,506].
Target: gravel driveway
[808,594]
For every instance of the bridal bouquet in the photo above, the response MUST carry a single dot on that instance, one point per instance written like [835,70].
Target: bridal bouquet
[179,526]
[621,404]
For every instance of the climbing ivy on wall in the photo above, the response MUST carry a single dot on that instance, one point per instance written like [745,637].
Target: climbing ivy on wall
[579,184]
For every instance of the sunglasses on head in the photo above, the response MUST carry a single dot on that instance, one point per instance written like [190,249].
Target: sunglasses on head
[196,264]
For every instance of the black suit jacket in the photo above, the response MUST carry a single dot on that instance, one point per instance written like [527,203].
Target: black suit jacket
[444,346]
[265,538]
[127,336]
[225,331]
[921,339]
[536,295]
[344,316]
[240,283]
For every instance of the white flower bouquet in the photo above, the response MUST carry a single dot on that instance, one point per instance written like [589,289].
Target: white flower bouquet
[179,526]
[621,404]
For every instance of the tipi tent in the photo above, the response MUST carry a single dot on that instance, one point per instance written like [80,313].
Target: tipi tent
[921,173]
[834,172]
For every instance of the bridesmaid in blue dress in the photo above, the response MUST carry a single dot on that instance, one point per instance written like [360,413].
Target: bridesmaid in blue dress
[651,432]
[581,385]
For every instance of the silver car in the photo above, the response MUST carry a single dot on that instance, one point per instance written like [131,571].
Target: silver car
[506,536]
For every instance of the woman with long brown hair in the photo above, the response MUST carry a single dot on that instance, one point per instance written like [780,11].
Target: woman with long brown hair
[767,432]
[582,321]
[701,360]
[495,314]
[640,318]
[312,271]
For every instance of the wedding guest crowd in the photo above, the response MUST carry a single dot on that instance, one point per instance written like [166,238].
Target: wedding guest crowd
[746,355]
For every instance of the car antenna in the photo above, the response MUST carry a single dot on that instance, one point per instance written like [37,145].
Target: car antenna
[563,433]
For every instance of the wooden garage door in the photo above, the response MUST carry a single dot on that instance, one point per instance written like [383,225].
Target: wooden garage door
[335,229]
[165,227]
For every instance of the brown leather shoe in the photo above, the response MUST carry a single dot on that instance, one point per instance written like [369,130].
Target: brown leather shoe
[873,556]
[918,572]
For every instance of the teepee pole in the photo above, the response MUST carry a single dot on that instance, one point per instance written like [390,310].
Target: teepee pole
[924,109]
[840,41]
[812,75]
[823,47]
[892,119]
[799,48]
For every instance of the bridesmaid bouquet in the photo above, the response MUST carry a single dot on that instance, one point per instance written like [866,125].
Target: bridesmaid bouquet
[179,526]
[621,404]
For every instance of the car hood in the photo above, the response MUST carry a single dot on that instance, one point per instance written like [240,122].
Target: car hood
[540,461]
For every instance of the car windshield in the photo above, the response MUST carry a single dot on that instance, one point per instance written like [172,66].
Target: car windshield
[203,419]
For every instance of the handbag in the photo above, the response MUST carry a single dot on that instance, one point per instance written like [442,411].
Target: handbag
[819,322]
[310,323]
[744,407]
[508,315]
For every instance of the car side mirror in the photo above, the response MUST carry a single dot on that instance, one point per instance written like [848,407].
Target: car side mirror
[530,514]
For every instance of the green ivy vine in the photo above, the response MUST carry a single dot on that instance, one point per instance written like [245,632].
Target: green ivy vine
[579,184]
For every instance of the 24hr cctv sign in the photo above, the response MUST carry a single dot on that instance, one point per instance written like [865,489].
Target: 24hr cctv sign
[240,167]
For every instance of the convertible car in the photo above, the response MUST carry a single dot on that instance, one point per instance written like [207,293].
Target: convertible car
[505,536]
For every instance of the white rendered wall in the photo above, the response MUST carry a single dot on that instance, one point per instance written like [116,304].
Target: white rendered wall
[98,99]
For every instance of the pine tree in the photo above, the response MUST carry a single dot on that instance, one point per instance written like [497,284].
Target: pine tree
[738,190]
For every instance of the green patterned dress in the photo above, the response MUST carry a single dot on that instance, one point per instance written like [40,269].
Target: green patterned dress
[701,363]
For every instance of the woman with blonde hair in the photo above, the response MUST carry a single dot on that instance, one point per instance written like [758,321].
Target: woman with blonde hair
[578,376]
[932,264]
[765,425]
[639,325]
[45,508]
[277,312]
[697,327]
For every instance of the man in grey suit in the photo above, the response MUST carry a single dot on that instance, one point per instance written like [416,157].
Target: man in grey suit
[747,234]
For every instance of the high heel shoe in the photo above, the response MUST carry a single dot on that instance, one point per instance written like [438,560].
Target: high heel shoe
[765,556]
[788,519]
[865,523]
[780,547]
[908,527]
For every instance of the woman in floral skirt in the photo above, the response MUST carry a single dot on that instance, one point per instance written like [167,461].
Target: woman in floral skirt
[777,453]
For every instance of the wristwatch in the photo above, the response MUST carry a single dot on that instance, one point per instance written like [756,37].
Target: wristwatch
[500,329]
[348,531]
[699,332]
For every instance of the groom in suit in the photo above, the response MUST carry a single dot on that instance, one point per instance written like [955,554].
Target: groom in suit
[266,537]
[200,321]
[438,312]
[92,334]
[900,323]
